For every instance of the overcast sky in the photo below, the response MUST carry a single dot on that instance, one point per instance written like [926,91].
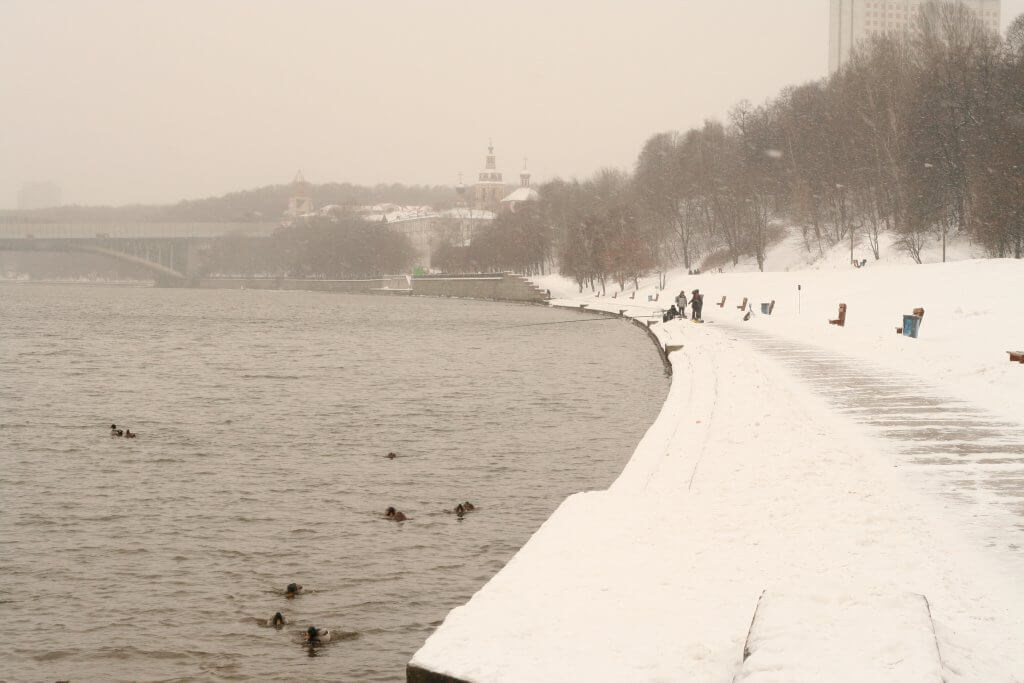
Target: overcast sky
[122,101]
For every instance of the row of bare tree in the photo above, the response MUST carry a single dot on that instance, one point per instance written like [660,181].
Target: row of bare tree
[517,241]
[920,135]
[317,248]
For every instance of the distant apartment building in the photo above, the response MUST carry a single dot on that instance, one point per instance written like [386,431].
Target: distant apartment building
[852,21]
[38,195]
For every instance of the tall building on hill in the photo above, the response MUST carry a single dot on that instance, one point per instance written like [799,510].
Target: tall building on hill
[852,21]
[489,188]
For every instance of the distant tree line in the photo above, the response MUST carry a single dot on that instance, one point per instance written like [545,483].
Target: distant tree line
[921,135]
[261,204]
[349,248]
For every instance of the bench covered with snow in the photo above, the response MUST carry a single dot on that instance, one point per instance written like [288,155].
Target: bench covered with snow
[808,639]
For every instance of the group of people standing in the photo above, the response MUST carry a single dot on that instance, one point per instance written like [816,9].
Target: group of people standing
[678,309]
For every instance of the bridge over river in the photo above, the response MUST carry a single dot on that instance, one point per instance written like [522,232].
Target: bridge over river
[168,250]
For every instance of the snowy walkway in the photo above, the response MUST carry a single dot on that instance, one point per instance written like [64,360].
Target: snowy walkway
[953,448]
[750,481]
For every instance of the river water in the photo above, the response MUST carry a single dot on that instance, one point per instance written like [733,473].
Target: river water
[263,421]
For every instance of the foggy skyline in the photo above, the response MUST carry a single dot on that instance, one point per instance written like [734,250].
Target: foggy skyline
[122,101]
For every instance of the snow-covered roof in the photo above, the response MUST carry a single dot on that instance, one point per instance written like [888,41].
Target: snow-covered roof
[466,212]
[522,194]
[377,208]
[395,214]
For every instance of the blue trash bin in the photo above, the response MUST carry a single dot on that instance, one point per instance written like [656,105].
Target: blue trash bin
[766,309]
[911,325]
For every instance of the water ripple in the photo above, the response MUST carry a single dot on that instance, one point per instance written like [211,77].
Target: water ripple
[264,419]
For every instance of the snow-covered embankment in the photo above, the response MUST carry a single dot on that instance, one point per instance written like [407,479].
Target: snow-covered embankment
[748,483]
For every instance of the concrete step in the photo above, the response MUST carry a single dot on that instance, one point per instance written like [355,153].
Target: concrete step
[883,639]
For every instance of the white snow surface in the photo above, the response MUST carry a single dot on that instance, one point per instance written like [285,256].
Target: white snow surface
[749,482]
[783,648]
[468,213]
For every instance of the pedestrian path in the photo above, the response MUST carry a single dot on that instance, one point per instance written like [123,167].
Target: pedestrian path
[959,450]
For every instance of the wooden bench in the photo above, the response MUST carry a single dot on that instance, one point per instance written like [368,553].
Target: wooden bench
[841,320]
[743,306]
[1016,356]
[721,304]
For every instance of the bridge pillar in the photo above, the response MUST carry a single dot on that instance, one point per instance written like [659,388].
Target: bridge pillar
[190,259]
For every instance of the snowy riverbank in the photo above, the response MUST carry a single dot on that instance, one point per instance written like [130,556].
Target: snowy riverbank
[974,314]
[750,482]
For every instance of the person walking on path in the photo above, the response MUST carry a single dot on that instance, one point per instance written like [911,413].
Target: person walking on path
[681,304]
[696,305]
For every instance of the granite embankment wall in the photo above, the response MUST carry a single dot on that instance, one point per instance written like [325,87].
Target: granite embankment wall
[398,285]
[644,324]
[417,674]
[496,287]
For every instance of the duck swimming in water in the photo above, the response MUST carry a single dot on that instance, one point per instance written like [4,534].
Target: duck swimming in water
[317,636]
[292,590]
[129,434]
[394,515]
[278,620]
[114,431]
[391,456]
[469,506]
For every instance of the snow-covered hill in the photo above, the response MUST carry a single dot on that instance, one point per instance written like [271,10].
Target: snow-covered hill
[791,253]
